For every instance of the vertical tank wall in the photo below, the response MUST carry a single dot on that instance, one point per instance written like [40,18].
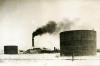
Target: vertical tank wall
[78,43]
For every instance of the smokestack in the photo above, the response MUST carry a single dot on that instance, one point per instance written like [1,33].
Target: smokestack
[32,42]
[48,28]
[52,28]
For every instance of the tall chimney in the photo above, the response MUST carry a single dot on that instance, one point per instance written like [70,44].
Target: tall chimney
[32,42]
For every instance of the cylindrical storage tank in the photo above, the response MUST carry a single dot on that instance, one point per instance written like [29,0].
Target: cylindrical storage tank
[10,49]
[78,43]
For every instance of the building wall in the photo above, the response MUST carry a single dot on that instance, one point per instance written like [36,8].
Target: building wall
[10,49]
[78,42]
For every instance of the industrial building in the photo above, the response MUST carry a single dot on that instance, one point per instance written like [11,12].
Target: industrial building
[78,43]
[10,49]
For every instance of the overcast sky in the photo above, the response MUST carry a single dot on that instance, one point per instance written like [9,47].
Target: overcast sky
[19,18]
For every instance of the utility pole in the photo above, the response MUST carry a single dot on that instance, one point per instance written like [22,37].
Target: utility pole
[73,55]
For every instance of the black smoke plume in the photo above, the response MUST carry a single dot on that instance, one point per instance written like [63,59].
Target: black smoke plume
[49,28]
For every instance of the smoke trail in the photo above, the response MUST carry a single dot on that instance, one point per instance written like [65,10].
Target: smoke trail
[54,28]
[64,25]
[49,28]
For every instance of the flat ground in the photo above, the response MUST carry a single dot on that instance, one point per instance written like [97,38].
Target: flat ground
[48,60]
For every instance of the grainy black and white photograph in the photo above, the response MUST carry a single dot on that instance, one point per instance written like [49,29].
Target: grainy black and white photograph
[49,32]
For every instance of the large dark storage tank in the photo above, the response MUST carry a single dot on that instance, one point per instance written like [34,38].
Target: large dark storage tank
[78,43]
[10,50]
